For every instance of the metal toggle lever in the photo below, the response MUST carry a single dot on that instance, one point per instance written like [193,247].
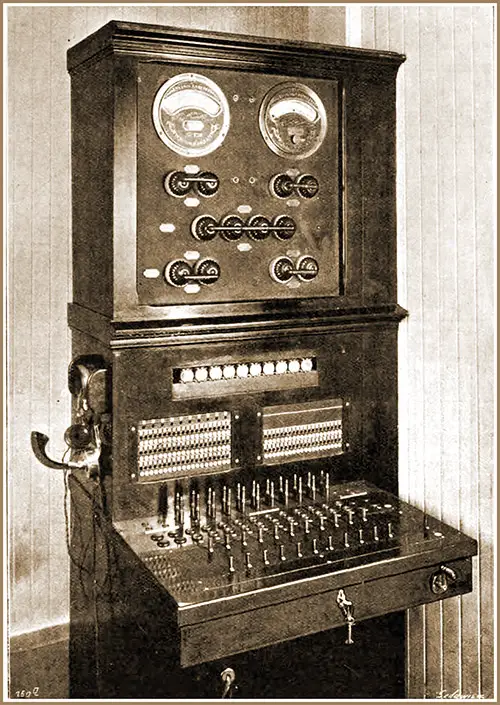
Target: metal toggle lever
[228,677]
[347,609]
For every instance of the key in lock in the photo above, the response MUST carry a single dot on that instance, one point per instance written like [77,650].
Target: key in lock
[347,609]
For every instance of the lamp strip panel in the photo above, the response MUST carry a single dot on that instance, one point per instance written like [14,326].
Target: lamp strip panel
[197,444]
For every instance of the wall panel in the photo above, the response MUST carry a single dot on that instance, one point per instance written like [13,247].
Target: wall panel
[39,262]
[446,231]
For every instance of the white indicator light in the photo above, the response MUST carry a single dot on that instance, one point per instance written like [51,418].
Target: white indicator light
[229,371]
[201,374]
[242,371]
[306,364]
[215,372]
[255,369]
[187,375]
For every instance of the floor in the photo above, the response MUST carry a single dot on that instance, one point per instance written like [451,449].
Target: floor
[38,664]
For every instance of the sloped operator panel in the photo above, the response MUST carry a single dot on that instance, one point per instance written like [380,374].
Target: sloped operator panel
[237,186]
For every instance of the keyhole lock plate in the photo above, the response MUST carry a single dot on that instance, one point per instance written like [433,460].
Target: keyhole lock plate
[442,580]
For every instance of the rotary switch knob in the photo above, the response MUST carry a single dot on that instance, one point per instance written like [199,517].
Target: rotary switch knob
[307,186]
[442,580]
[281,185]
[281,269]
[307,268]
[176,184]
[259,227]
[207,271]
[232,225]
[207,184]
[178,273]
[204,227]
[284,227]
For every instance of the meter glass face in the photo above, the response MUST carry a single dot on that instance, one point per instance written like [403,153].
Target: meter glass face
[292,120]
[191,115]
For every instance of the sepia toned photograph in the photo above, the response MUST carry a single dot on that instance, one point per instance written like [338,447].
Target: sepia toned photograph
[250,345]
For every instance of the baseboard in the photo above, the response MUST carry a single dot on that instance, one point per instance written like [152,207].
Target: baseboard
[38,663]
[39,637]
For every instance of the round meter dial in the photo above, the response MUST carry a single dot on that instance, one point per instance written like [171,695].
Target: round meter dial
[191,115]
[292,120]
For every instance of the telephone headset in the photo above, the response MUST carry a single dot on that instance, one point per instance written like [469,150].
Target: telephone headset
[88,382]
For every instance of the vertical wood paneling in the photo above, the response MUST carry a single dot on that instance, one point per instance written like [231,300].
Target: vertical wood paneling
[446,234]
[448,324]
[20,303]
[39,242]
[483,108]
[327,25]
[60,288]
[430,304]
[467,331]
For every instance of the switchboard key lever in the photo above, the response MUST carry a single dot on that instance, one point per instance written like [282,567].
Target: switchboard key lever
[327,486]
[228,677]
[243,500]
[162,505]
[347,609]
